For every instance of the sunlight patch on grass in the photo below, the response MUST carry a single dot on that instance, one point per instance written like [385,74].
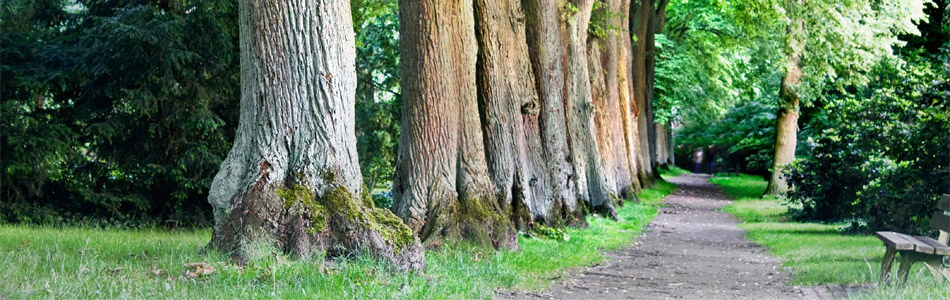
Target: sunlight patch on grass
[91,263]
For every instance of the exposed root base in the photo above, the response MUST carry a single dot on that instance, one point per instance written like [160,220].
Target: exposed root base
[474,220]
[295,221]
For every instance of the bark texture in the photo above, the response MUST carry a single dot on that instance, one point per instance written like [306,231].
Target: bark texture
[546,36]
[609,117]
[592,187]
[442,187]
[664,145]
[291,180]
[628,106]
[786,123]
[641,21]
[509,107]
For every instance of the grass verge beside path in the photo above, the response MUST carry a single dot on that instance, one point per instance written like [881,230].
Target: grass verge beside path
[817,253]
[89,263]
[672,171]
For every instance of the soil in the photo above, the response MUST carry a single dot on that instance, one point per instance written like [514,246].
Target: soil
[692,250]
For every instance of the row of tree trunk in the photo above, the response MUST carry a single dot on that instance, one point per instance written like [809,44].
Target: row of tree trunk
[512,115]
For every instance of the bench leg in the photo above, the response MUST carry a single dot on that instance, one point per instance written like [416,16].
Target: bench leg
[908,258]
[935,265]
[886,265]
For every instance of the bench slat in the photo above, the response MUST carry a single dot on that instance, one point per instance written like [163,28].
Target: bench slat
[895,240]
[940,221]
[944,203]
[921,246]
[938,248]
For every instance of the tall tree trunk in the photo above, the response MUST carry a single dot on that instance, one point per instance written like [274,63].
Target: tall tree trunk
[546,36]
[509,108]
[292,180]
[656,27]
[590,178]
[609,116]
[628,107]
[442,187]
[641,22]
[786,123]
[663,156]
[602,121]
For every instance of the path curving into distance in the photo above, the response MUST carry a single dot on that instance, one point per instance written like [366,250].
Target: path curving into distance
[692,250]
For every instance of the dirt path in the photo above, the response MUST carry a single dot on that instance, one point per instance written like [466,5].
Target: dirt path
[691,250]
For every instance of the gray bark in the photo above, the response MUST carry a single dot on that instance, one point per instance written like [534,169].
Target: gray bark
[292,180]
[546,36]
[590,178]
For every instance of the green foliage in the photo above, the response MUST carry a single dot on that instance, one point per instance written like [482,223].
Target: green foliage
[383,199]
[378,101]
[744,138]
[129,105]
[880,154]
[699,62]
[600,21]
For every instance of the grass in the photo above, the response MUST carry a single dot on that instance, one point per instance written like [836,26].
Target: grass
[672,171]
[92,263]
[655,194]
[818,253]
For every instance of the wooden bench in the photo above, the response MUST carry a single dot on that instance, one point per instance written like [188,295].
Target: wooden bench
[914,249]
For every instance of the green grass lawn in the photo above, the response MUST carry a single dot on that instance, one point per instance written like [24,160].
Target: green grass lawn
[817,253]
[90,263]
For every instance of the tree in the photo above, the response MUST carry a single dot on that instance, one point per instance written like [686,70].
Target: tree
[291,180]
[442,187]
[508,104]
[641,20]
[608,37]
[824,40]
[545,36]
[590,177]
[786,122]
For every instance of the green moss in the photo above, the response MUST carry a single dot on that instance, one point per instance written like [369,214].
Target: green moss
[481,222]
[329,176]
[474,210]
[391,228]
[305,196]
[366,198]
[342,202]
